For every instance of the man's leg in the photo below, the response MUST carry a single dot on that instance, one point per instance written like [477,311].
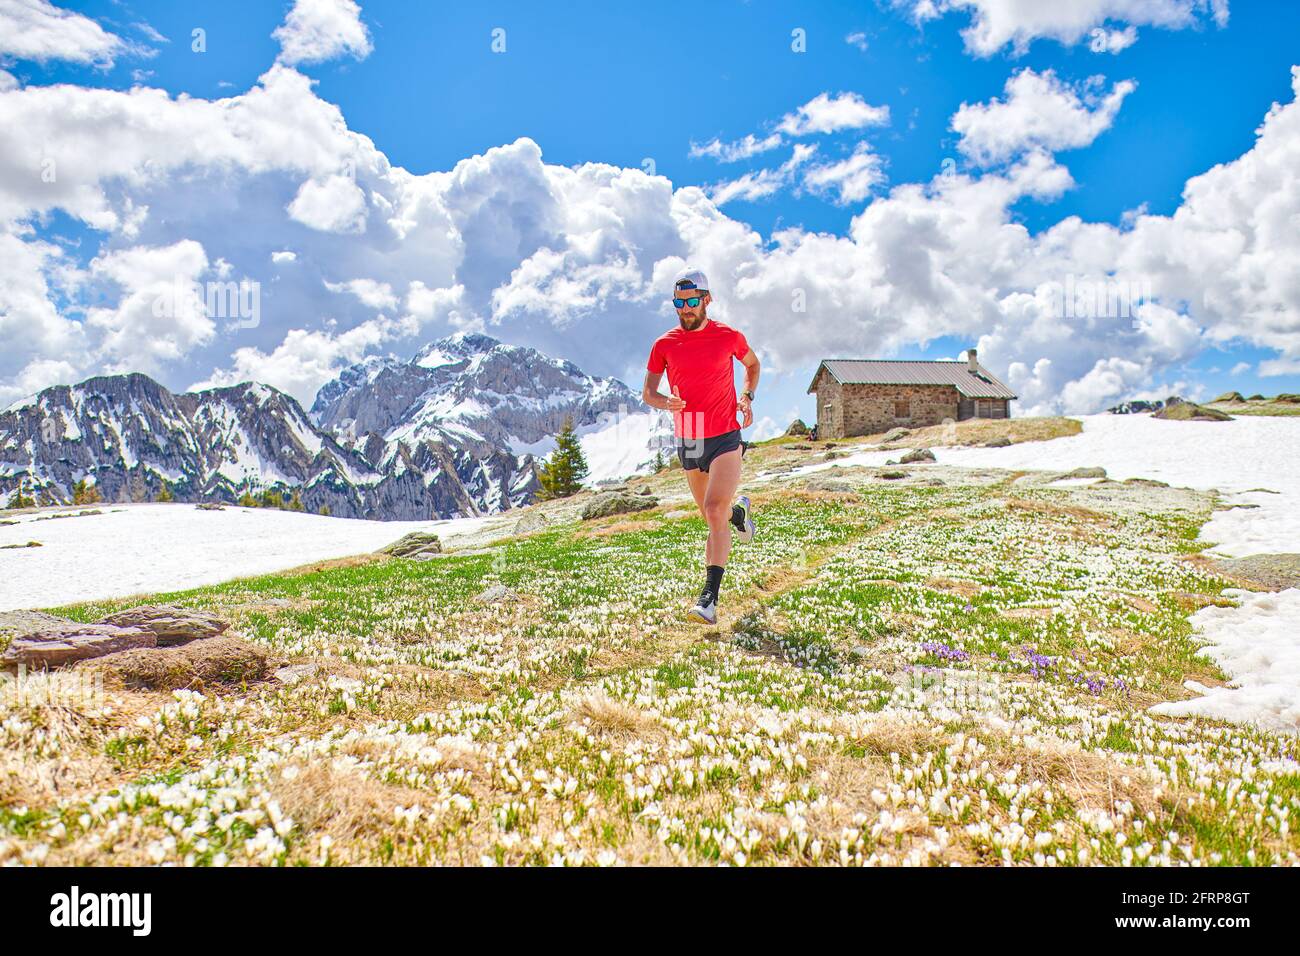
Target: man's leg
[720,489]
[698,482]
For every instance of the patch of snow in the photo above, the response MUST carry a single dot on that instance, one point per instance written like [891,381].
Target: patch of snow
[21,404]
[436,357]
[1249,452]
[617,446]
[145,548]
[1256,645]
[306,436]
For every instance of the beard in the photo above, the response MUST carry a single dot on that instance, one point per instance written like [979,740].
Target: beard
[692,323]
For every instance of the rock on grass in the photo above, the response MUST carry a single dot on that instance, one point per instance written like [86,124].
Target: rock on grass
[413,545]
[616,503]
[16,623]
[1092,472]
[915,455]
[1191,412]
[171,625]
[220,660]
[497,594]
[72,642]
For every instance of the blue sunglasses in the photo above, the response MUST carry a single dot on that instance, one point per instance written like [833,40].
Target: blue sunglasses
[693,301]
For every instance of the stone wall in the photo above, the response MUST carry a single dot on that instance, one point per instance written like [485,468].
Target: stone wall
[869,409]
[830,417]
[846,410]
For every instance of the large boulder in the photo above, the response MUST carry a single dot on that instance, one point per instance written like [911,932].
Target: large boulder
[414,545]
[1002,441]
[915,455]
[894,434]
[171,625]
[1190,412]
[1229,397]
[17,623]
[72,642]
[531,520]
[608,503]
[797,427]
[222,660]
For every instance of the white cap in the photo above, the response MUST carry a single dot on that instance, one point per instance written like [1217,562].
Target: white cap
[695,279]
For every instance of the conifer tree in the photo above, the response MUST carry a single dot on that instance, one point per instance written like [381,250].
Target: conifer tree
[85,493]
[561,475]
[165,493]
[20,498]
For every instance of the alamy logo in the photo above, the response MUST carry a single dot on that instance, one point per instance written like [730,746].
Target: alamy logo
[103,909]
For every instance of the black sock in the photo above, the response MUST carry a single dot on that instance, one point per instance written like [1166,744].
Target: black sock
[738,517]
[714,584]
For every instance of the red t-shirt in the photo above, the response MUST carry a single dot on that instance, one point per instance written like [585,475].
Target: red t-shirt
[699,368]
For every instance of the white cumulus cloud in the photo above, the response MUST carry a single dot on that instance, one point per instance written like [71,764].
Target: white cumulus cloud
[319,30]
[995,24]
[38,30]
[1038,110]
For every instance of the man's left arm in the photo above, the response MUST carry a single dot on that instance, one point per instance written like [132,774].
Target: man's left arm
[750,361]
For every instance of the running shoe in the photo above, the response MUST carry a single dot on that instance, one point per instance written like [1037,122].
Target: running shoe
[706,608]
[742,520]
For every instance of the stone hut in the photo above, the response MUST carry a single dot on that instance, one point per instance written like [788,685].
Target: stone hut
[868,396]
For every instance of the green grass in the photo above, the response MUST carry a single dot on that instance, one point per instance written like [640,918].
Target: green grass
[835,680]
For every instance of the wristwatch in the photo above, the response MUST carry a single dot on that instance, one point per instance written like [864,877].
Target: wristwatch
[748,394]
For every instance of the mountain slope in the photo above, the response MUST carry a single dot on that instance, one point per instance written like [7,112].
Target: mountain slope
[453,432]
[130,435]
[476,395]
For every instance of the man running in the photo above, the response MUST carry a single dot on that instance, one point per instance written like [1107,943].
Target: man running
[698,357]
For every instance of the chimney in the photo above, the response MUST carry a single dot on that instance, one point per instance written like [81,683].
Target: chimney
[970,360]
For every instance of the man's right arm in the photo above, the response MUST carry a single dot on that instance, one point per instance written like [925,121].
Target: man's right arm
[651,396]
[650,391]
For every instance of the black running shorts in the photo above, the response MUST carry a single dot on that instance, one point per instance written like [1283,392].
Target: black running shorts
[700,452]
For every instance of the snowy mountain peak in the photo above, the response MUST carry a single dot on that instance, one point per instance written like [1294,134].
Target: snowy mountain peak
[454,431]
[455,348]
[474,393]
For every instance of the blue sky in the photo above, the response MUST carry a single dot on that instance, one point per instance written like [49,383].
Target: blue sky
[635,86]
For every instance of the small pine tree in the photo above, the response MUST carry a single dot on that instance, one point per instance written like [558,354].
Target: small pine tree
[325,510]
[165,493]
[561,475]
[20,498]
[85,493]
[295,503]
[246,500]
[660,464]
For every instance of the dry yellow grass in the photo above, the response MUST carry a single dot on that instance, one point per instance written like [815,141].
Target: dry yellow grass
[978,431]
[617,527]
